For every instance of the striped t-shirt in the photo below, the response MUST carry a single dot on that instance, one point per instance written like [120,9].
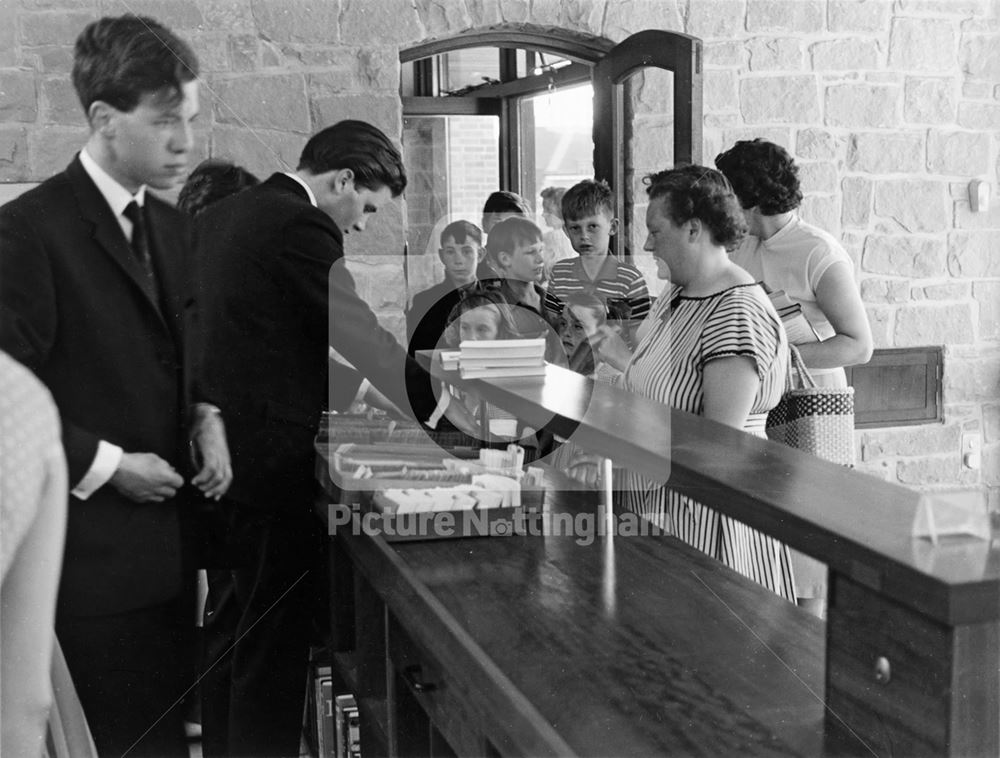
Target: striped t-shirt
[685,334]
[617,280]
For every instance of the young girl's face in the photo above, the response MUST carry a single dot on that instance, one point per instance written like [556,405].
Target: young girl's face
[578,323]
[481,323]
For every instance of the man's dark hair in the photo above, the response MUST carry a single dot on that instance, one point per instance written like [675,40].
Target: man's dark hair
[362,148]
[763,174]
[586,198]
[212,180]
[462,230]
[511,232]
[703,193]
[503,201]
[118,59]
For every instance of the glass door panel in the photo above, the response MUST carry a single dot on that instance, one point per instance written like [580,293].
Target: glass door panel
[649,148]
[556,144]
[453,165]
[647,116]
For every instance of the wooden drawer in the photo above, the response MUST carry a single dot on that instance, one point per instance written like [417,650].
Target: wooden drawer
[894,675]
[452,711]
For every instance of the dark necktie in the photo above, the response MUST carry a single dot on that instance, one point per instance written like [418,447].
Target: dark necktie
[140,246]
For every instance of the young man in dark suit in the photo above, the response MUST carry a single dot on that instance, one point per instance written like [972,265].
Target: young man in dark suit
[281,297]
[95,297]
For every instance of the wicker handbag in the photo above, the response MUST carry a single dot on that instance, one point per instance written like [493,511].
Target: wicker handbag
[817,420]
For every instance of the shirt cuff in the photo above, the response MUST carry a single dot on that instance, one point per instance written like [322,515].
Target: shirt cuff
[105,464]
[207,408]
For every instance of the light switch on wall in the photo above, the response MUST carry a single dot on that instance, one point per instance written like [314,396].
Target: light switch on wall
[971,450]
[979,195]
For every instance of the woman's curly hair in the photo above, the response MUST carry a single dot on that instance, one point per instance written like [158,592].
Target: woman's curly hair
[763,174]
[703,193]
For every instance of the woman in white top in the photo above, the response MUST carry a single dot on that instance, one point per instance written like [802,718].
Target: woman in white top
[786,253]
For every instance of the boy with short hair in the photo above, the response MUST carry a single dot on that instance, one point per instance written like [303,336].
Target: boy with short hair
[460,253]
[515,245]
[500,205]
[589,222]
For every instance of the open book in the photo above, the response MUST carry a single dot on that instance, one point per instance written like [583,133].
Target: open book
[797,326]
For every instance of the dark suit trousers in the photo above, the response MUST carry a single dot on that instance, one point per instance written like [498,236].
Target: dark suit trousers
[266,614]
[131,670]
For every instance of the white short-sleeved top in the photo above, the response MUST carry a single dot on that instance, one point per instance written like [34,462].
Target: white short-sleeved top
[794,260]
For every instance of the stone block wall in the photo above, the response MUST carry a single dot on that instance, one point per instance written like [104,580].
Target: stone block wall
[890,106]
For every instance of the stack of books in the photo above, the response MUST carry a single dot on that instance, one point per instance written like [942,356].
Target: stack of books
[797,326]
[480,359]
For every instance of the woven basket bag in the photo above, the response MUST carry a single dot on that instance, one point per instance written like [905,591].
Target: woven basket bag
[817,420]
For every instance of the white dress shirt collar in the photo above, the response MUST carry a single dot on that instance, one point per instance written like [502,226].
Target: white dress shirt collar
[306,187]
[113,193]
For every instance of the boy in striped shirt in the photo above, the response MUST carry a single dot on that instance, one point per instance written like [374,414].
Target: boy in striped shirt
[589,222]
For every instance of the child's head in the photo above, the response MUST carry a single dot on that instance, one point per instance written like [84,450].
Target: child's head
[461,251]
[515,246]
[552,206]
[211,181]
[582,317]
[501,205]
[480,315]
[589,217]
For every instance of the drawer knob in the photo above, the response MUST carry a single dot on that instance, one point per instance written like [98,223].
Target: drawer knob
[883,670]
[414,677]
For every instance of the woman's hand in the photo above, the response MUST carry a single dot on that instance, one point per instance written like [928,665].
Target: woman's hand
[610,347]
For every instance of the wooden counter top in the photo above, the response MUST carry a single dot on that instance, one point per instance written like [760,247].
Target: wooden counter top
[626,646]
[537,645]
[859,525]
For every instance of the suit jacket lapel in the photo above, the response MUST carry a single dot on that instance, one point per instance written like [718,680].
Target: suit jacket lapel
[107,231]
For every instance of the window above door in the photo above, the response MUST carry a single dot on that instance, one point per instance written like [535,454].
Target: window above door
[524,109]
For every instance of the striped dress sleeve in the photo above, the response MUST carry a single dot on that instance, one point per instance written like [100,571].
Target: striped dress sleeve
[741,325]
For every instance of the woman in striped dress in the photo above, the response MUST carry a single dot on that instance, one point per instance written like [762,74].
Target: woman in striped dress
[714,346]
